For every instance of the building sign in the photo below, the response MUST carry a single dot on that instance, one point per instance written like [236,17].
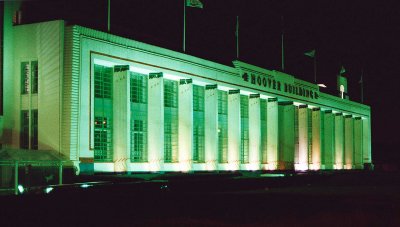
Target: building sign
[268,81]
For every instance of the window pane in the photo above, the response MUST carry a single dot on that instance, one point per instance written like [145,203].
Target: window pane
[25,78]
[170,121]
[198,123]
[222,126]
[24,137]
[244,114]
[35,76]
[34,141]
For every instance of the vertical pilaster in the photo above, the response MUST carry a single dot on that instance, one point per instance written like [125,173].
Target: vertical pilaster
[155,121]
[286,135]
[234,129]
[348,141]
[185,125]
[121,118]
[366,122]
[329,134]
[339,141]
[316,139]
[211,126]
[358,143]
[303,138]
[272,134]
[254,131]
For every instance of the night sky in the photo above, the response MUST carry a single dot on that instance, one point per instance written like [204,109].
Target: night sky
[360,35]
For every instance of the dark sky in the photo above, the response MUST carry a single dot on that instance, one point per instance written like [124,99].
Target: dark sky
[360,35]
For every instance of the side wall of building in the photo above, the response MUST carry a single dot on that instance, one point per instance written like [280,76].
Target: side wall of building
[41,43]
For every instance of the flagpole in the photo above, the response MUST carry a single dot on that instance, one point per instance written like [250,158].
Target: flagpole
[108,16]
[282,47]
[362,86]
[315,67]
[184,26]
[237,37]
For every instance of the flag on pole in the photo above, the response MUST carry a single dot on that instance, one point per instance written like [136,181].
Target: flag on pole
[361,80]
[194,3]
[310,53]
[342,70]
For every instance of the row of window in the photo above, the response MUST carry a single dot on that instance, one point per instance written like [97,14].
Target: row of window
[138,97]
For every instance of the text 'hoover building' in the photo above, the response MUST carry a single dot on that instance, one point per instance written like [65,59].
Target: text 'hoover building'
[113,104]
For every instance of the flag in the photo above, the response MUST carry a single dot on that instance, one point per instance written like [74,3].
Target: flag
[194,3]
[310,53]
[361,80]
[342,70]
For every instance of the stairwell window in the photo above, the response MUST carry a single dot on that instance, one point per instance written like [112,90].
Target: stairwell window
[29,77]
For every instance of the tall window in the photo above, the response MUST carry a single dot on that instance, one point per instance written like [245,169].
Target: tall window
[138,97]
[103,144]
[35,76]
[170,121]
[222,126]
[102,139]
[25,77]
[24,138]
[29,77]
[29,129]
[34,128]
[264,129]
[244,115]
[198,123]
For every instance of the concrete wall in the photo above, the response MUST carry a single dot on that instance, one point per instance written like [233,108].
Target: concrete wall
[42,42]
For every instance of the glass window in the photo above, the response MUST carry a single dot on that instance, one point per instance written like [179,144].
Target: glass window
[222,126]
[35,76]
[170,121]
[244,114]
[25,78]
[102,140]
[103,112]
[24,137]
[138,98]
[198,123]
[264,129]
[138,88]
[34,141]
[103,81]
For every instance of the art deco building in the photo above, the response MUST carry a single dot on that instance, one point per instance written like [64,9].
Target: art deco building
[114,104]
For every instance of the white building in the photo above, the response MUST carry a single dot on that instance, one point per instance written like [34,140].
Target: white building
[113,104]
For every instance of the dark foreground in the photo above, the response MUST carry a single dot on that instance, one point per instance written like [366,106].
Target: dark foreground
[233,199]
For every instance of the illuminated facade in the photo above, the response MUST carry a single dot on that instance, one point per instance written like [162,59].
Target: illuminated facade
[115,104]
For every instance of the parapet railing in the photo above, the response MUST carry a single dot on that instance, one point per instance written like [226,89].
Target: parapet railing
[11,171]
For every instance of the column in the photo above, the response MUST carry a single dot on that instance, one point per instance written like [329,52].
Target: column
[329,141]
[367,161]
[339,141]
[121,118]
[272,134]
[316,139]
[303,138]
[155,119]
[286,135]
[254,131]
[185,125]
[358,143]
[234,129]
[348,141]
[211,126]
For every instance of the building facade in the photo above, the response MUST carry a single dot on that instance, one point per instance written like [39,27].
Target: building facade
[109,103]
